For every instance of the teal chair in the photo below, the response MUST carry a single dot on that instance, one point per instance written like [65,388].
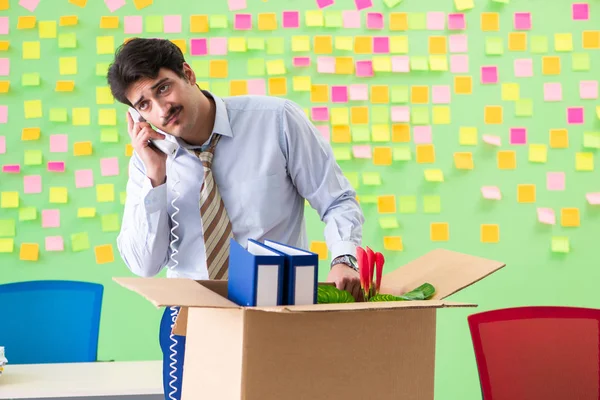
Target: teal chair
[51,321]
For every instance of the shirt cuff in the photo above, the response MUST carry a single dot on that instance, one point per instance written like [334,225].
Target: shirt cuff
[154,198]
[342,249]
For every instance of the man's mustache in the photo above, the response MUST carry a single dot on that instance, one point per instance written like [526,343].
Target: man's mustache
[174,111]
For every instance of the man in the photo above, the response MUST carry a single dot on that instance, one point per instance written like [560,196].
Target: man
[243,169]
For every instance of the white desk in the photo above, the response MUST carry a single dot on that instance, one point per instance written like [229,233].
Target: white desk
[139,380]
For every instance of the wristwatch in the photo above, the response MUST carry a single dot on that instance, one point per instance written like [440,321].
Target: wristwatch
[346,259]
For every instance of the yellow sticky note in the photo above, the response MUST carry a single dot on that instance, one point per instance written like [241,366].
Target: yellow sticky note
[64,86]
[67,65]
[344,43]
[33,109]
[104,95]
[319,93]
[81,116]
[58,195]
[319,248]
[29,252]
[386,204]
[276,67]
[439,231]
[382,156]
[301,83]
[30,134]
[68,20]
[109,22]
[462,5]
[510,91]
[199,23]
[425,153]
[584,161]
[31,50]
[300,43]
[538,153]
[380,133]
[526,193]
[107,116]
[463,85]
[463,160]
[438,63]
[267,21]
[569,217]
[104,254]
[490,21]
[82,148]
[434,175]
[563,42]
[344,65]
[237,44]
[399,44]
[105,193]
[382,64]
[105,45]
[340,116]
[392,243]
[9,200]
[7,245]
[493,115]
[559,138]
[47,29]
[467,136]
[551,65]
[517,41]
[26,22]
[363,45]
[218,68]
[490,233]
[506,159]
[86,212]
[441,115]
[314,18]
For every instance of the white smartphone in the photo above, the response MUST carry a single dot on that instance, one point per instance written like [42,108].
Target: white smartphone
[167,147]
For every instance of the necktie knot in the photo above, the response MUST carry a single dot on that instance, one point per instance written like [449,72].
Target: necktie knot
[207,155]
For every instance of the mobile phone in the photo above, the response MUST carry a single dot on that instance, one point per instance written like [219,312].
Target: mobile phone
[167,147]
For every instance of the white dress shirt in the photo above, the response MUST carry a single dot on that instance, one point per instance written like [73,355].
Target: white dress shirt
[269,160]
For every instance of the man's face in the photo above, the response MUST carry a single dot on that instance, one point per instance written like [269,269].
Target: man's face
[167,101]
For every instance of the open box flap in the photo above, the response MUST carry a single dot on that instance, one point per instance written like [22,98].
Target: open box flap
[448,271]
[359,306]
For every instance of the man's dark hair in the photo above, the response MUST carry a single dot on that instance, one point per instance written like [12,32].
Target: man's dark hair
[142,58]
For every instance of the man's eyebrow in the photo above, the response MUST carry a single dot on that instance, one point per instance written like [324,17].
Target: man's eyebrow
[157,84]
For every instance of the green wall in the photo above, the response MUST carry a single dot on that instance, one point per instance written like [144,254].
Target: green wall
[535,273]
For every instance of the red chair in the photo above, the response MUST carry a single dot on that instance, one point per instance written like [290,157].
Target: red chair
[538,352]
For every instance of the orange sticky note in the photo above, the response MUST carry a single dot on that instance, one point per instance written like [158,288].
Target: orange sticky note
[139,4]
[277,86]
[490,21]
[363,45]
[319,248]
[398,21]
[419,94]
[493,115]
[218,69]
[425,153]
[569,217]
[238,87]
[551,65]
[4,5]
[4,86]
[437,45]
[386,204]
[128,150]
[82,148]
[30,134]
[517,41]
[392,243]
[199,23]
[344,65]
[79,3]
[267,21]
[526,193]
[26,22]
[68,20]
[400,133]
[104,254]
[4,45]
[559,138]
[109,22]
[359,115]
[463,160]
[319,93]
[323,44]
[340,134]
[439,231]
[29,252]
[590,40]
[463,85]
[382,156]
[380,94]
[65,86]
[490,233]
[507,159]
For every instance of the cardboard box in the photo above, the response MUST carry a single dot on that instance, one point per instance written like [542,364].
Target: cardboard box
[318,352]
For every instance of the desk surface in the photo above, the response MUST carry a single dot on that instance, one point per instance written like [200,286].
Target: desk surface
[32,381]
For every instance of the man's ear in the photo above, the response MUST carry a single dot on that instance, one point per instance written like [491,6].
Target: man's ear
[189,73]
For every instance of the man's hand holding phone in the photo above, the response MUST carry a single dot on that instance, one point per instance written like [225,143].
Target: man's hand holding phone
[154,160]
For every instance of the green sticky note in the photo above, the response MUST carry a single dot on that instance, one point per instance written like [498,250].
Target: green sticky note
[122,197]
[102,69]
[201,68]
[256,67]
[275,46]
[419,115]
[524,108]
[417,21]
[218,22]
[432,204]
[361,134]
[539,44]
[380,115]
[580,61]
[7,228]
[591,140]
[392,3]
[110,223]
[401,153]
[33,157]
[371,178]
[221,89]
[153,23]
[407,204]
[30,79]
[369,199]
[58,114]
[27,213]
[560,244]
[494,46]
[67,40]
[333,19]
[388,222]
[501,1]
[109,135]
[80,241]
[399,94]
[342,153]
[256,44]
[419,63]
[352,178]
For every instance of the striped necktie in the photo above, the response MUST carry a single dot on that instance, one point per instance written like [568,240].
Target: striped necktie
[215,221]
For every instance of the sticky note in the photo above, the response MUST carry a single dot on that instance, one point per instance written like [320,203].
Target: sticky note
[419,115]
[524,107]
[371,178]
[69,20]
[32,184]
[56,166]
[575,115]
[517,41]
[386,204]
[422,134]
[588,89]
[560,244]
[30,133]
[538,153]
[64,86]
[51,218]
[591,140]
[102,69]
[494,45]
[54,243]
[463,85]
[11,168]
[584,161]
[518,136]
[580,11]
[363,4]
[506,159]
[104,254]
[432,204]
[546,216]
[555,181]
[218,22]
[552,91]
[493,115]
[80,241]
[86,212]
[407,204]
[110,223]
[7,228]
[523,67]
[33,109]
[82,148]
[490,21]
[7,245]
[489,74]
[67,65]
[593,198]
[4,86]
[463,160]
[382,156]
[522,21]
[235,5]
[438,63]
[559,138]
[550,65]
[425,153]
[340,116]
[325,65]
[419,63]
[29,252]
[27,213]
[401,133]
[439,231]
[2,144]
[67,40]
[47,29]
[489,233]
[440,94]
[81,116]
[526,193]
[563,42]
[32,157]
[109,135]
[58,195]
[9,199]
[392,243]
[79,3]
[399,45]
[591,39]
[539,44]
[458,43]
[26,22]
[105,193]
[362,151]
[510,91]
[569,217]
[491,193]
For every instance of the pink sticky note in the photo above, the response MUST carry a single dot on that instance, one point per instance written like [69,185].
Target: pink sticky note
[114,5]
[32,184]
[593,198]
[492,139]
[4,26]
[362,151]
[84,178]
[11,168]
[324,3]
[59,143]
[243,22]
[491,193]
[3,114]
[218,46]
[456,22]
[54,243]
[198,47]
[109,166]
[56,166]
[522,21]
[523,67]
[50,218]
[440,94]
[422,134]
[351,19]
[324,130]
[489,74]
[552,91]
[362,4]
[581,11]
[381,44]
[400,64]
[359,91]
[546,216]
[555,181]
[172,23]
[301,62]
[575,115]
[588,89]
[4,66]
[518,136]
[459,63]
[436,21]
[2,144]
[339,94]
[320,113]
[133,24]
[374,20]
[400,114]
[326,65]
[29,5]
[291,19]
[364,68]
[235,5]
[257,87]
[458,43]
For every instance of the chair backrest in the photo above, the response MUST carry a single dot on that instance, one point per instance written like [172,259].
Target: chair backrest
[50,321]
[537,352]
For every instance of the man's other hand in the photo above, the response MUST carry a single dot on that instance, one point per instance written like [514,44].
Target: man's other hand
[346,278]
